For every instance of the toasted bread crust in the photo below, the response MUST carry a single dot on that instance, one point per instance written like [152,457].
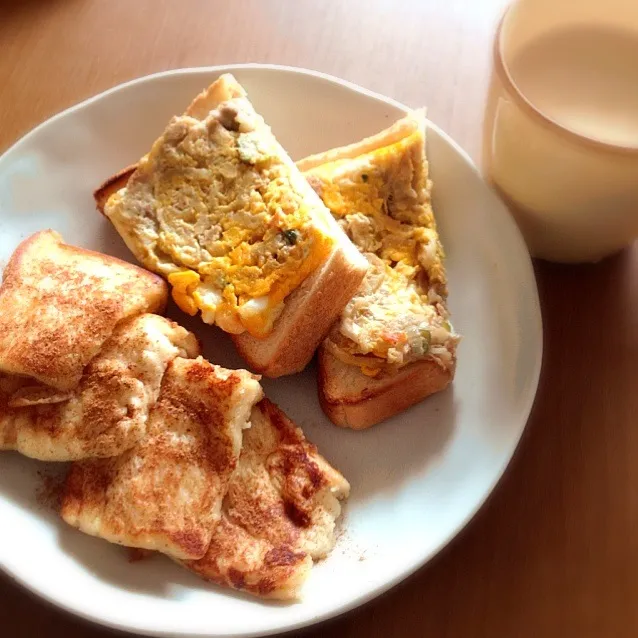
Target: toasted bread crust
[310,310]
[401,129]
[112,185]
[350,399]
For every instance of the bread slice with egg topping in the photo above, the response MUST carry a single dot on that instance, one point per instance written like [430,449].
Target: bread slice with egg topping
[393,344]
[218,208]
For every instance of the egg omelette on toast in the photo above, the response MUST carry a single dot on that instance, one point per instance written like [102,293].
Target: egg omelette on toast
[218,208]
[393,344]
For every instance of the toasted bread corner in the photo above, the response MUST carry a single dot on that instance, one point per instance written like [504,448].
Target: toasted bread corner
[112,185]
[350,399]
[51,334]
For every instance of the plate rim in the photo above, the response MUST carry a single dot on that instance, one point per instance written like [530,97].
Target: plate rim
[527,404]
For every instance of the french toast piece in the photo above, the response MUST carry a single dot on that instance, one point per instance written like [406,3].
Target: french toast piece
[60,303]
[107,412]
[279,512]
[166,493]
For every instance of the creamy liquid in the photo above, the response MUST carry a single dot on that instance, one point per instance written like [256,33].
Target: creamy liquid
[586,79]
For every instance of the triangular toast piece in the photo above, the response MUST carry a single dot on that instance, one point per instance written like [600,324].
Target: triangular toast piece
[393,344]
[60,303]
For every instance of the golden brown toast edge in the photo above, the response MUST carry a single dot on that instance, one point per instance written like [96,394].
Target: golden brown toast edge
[377,400]
[112,185]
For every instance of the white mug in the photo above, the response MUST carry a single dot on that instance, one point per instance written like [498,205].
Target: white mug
[564,157]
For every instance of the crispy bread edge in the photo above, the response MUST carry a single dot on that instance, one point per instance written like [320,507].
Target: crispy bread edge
[310,310]
[16,261]
[407,125]
[374,400]
[112,185]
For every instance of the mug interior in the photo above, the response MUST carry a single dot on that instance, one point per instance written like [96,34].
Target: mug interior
[527,21]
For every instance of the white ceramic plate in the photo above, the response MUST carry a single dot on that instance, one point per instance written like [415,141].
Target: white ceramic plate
[416,479]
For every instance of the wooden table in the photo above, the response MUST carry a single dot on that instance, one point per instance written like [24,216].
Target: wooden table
[555,550]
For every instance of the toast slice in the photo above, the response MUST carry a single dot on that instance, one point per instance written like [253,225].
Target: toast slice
[166,493]
[279,513]
[393,344]
[352,399]
[219,209]
[107,413]
[60,303]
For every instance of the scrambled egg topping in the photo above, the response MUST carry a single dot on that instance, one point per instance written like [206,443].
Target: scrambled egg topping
[381,199]
[220,210]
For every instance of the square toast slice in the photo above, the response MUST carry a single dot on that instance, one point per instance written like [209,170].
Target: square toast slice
[60,303]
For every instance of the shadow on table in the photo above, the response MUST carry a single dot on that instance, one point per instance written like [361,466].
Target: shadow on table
[602,293]
[27,9]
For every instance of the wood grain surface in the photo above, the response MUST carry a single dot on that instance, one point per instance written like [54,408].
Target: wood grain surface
[555,550]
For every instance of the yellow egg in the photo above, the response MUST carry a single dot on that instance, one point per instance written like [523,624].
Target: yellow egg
[183,285]
[232,222]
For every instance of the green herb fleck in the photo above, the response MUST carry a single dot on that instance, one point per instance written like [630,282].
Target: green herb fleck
[290,236]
